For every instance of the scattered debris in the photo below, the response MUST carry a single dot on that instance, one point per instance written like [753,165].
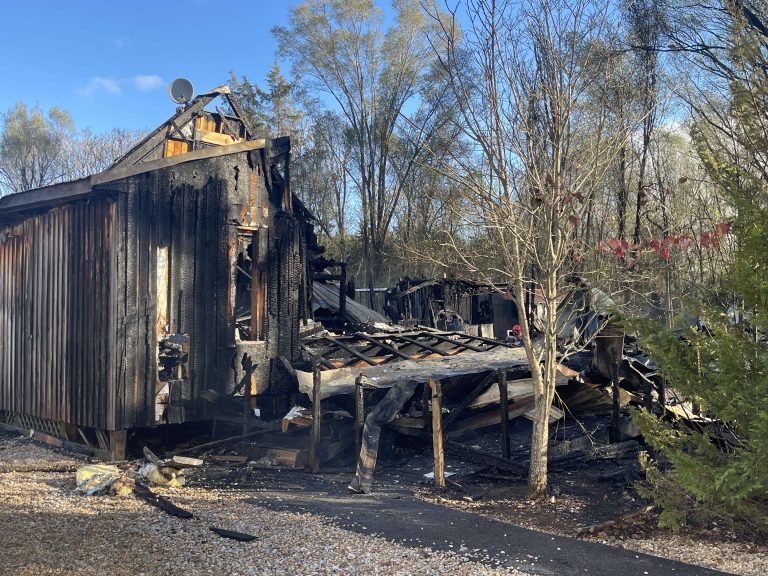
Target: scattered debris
[431,475]
[163,476]
[182,462]
[166,472]
[228,458]
[95,479]
[602,525]
[123,486]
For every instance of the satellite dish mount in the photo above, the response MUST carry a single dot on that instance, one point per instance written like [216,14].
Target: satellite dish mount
[181,91]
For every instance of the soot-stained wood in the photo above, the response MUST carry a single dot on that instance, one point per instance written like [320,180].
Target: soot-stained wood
[79,286]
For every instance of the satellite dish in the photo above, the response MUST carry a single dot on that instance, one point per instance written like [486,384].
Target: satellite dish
[181,91]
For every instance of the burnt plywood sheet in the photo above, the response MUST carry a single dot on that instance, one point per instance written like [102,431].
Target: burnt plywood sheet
[342,380]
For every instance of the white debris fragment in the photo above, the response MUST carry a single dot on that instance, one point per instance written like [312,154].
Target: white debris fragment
[96,478]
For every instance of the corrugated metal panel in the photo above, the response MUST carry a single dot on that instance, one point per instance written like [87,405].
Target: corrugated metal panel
[55,304]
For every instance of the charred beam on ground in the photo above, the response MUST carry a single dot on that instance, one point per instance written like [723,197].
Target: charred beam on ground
[385,411]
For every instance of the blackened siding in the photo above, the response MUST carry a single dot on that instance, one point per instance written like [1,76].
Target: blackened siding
[79,291]
[184,210]
[57,316]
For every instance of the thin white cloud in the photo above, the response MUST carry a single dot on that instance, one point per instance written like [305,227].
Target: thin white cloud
[101,84]
[120,42]
[115,86]
[146,82]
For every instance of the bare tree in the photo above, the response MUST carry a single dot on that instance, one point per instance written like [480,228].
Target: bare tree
[371,78]
[323,169]
[520,72]
[38,149]
[646,23]
[32,147]
[87,152]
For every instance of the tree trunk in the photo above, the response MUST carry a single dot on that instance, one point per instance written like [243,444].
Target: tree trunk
[544,390]
[537,473]
[623,193]
[641,187]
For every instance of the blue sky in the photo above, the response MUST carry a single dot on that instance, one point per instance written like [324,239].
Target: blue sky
[109,63]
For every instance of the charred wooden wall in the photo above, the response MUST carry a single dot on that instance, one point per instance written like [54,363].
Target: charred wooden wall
[196,211]
[182,210]
[79,291]
[57,314]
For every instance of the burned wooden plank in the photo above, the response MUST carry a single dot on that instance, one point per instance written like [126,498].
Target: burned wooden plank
[474,422]
[382,345]
[143,492]
[232,535]
[359,414]
[222,441]
[351,350]
[457,343]
[181,462]
[383,412]
[422,345]
[504,424]
[228,458]
[490,341]
[482,386]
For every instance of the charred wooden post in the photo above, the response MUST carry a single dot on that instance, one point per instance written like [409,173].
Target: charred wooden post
[437,432]
[117,440]
[647,394]
[616,396]
[426,399]
[385,411]
[359,413]
[343,290]
[314,447]
[248,369]
[503,407]
[661,389]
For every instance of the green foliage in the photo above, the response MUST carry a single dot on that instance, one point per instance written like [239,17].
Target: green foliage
[274,111]
[725,368]
[678,508]
[38,149]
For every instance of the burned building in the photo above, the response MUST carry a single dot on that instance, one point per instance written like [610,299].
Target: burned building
[448,304]
[129,297]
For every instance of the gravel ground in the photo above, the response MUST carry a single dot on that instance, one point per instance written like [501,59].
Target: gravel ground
[49,529]
[734,557]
